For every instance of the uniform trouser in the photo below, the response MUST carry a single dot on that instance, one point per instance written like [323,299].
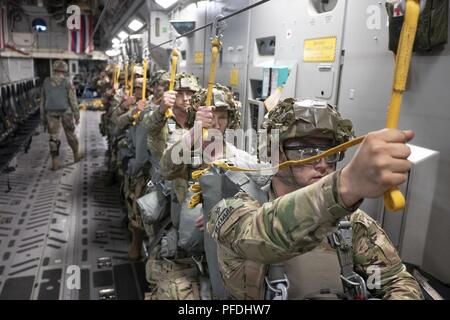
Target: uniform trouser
[112,154]
[172,281]
[54,126]
[135,188]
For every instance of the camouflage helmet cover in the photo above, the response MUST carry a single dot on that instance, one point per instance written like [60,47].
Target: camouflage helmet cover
[60,65]
[159,76]
[138,82]
[308,118]
[186,81]
[139,70]
[222,98]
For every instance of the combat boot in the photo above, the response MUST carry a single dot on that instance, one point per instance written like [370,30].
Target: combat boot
[137,234]
[55,164]
[110,179]
[77,156]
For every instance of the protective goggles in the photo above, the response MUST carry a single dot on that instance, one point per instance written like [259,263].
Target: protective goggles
[301,153]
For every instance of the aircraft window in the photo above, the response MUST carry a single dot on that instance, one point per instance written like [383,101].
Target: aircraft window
[322,6]
[39,25]
[266,46]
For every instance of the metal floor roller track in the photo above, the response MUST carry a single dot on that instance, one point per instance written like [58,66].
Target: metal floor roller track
[62,234]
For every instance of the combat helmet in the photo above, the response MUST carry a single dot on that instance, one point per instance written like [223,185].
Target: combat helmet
[61,66]
[222,98]
[186,81]
[306,118]
[139,71]
[159,76]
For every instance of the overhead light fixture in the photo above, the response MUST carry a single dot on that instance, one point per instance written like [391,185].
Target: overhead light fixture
[112,52]
[166,3]
[182,26]
[136,36]
[135,25]
[122,35]
[115,41]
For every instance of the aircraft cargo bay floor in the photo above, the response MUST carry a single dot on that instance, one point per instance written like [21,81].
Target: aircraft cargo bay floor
[54,224]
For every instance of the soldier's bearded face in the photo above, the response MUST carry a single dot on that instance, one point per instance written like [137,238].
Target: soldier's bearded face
[305,175]
[183,99]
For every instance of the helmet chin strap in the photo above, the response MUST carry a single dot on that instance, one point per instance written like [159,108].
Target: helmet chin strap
[288,180]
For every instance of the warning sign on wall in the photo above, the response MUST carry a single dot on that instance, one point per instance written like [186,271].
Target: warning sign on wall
[320,50]
[198,57]
[234,78]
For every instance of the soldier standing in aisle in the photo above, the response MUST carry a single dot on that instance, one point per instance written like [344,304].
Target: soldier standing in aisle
[59,105]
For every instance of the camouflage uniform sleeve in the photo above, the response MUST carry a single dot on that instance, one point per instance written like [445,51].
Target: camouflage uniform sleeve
[171,170]
[155,121]
[157,133]
[281,229]
[114,104]
[73,102]
[374,255]
[124,120]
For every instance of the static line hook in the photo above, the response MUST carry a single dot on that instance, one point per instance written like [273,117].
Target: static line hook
[218,26]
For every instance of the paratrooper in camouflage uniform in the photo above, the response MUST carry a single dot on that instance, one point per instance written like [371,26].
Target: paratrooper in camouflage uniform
[179,283]
[59,106]
[306,204]
[165,269]
[138,164]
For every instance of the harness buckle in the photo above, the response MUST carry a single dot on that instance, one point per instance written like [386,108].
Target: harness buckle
[355,287]
[277,289]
